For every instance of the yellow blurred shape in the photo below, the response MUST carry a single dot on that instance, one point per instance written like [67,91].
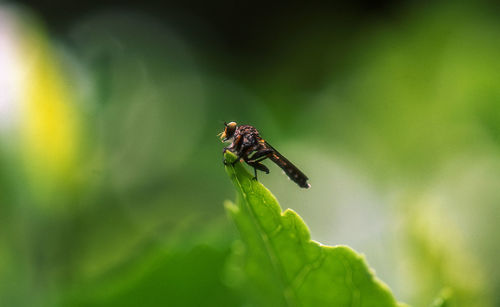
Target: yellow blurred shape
[50,130]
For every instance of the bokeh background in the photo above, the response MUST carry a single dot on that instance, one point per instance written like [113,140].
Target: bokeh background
[111,176]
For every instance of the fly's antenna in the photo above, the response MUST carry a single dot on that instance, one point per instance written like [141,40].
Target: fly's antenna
[220,121]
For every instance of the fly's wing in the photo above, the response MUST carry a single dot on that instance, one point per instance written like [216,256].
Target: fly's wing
[290,170]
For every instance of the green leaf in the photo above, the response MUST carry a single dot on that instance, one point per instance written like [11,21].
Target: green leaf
[283,266]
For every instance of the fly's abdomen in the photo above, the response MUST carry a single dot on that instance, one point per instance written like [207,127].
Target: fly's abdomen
[290,170]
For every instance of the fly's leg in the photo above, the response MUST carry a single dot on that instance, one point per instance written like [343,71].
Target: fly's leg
[256,158]
[223,152]
[235,147]
[257,166]
[260,155]
[238,147]
[245,150]
[224,159]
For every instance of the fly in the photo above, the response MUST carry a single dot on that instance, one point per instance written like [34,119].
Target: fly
[248,146]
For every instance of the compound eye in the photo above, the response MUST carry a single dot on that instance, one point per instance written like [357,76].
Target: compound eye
[230,129]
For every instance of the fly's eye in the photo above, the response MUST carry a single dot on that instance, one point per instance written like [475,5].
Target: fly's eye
[230,129]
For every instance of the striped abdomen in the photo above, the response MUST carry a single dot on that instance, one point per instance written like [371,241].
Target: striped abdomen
[290,170]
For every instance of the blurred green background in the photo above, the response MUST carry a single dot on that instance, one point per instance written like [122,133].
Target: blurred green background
[111,176]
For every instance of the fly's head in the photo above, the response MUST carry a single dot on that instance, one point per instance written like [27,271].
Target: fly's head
[228,133]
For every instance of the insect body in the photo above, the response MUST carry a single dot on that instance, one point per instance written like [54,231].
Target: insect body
[247,144]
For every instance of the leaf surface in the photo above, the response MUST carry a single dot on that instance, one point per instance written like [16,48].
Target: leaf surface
[283,266]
